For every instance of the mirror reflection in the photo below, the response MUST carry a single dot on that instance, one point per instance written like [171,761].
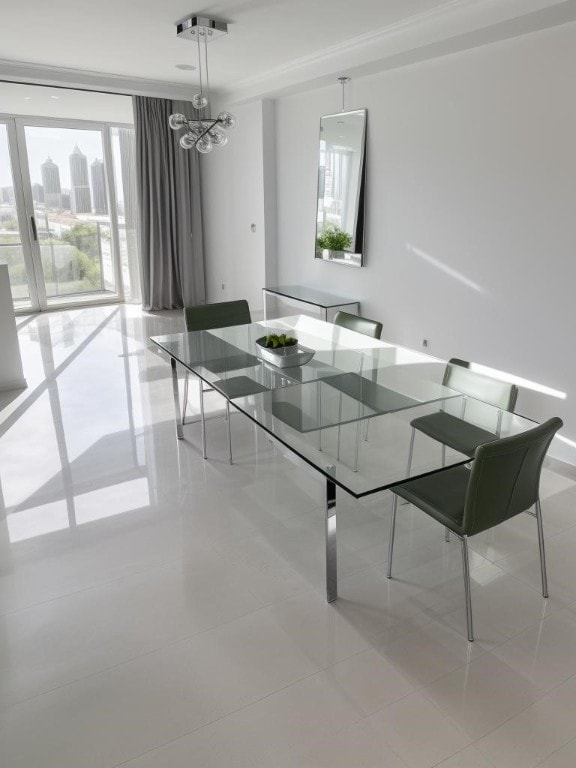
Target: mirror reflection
[340,213]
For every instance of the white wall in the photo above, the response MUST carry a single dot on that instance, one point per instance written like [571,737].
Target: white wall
[471,204]
[232,189]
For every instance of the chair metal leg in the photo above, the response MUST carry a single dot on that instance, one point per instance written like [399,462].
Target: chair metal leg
[410,452]
[466,567]
[339,426]
[357,449]
[392,532]
[229,431]
[366,430]
[176,394]
[542,551]
[185,398]
[202,418]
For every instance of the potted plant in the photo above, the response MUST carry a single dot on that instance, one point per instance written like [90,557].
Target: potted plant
[333,239]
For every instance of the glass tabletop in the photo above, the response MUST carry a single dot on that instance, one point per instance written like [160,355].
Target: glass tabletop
[360,444]
[347,411]
[225,353]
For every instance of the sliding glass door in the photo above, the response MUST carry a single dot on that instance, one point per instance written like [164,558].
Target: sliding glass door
[61,234]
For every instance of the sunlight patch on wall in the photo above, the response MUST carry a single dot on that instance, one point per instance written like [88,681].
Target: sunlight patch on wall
[518,380]
[450,271]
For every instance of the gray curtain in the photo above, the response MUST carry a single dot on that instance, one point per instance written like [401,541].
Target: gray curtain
[168,182]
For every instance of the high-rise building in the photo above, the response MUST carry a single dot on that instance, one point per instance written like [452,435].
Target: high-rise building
[51,183]
[38,193]
[7,195]
[80,192]
[66,200]
[99,187]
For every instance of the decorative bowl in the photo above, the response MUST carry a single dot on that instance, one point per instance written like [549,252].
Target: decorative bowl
[284,357]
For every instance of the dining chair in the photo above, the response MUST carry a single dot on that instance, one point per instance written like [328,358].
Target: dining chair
[454,431]
[502,482]
[359,324]
[366,327]
[204,317]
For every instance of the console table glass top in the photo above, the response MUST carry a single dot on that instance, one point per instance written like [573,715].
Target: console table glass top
[312,296]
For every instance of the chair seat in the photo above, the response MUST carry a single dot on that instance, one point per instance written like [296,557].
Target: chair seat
[380,399]
[441,496]
[238,386]
[453,432]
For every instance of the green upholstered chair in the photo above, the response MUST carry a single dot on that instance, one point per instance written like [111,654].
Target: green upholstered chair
[367,327]
[454,431]
[204,317]
[359,324]
[222,314]
[503,481]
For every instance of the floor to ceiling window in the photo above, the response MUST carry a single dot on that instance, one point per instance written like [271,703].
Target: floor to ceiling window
[68,211]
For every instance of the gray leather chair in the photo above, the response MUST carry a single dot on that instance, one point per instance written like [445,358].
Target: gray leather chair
[455,432]
[371,328]
[359,324]
[204,317]
[503,482]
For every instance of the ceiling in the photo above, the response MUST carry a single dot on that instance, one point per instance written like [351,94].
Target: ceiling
[271,43]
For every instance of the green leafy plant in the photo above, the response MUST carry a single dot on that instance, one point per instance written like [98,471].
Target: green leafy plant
[334,239]
[273,341]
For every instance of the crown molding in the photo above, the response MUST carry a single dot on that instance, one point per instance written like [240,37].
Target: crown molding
[456,26]
[41,74]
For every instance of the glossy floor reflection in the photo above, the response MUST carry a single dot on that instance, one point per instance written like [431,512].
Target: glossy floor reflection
[161,610]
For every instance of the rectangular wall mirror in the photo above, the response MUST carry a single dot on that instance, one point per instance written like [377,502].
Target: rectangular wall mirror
[341,172]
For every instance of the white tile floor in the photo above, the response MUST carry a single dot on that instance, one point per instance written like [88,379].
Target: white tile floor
[160,610]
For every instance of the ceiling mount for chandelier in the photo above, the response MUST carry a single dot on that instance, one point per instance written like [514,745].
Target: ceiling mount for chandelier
[203,132]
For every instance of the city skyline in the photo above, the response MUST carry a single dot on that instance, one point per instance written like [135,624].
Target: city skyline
[88,191]
[58,144]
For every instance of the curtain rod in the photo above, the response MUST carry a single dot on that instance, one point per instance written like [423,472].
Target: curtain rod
[65,87]
[85,89]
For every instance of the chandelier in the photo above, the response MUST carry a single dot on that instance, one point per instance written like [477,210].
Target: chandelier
[203,132]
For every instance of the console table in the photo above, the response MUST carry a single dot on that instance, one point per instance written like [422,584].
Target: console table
[311,296]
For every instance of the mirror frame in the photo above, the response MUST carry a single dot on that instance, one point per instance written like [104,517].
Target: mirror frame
[346,257]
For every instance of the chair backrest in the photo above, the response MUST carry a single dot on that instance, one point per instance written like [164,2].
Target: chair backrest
[498,393]
[359,324]
[202,317]
[505,477]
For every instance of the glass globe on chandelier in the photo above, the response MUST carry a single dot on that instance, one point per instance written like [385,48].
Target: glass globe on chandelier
[204,132]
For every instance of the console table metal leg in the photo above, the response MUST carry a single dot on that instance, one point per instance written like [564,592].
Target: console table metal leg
[179,430]
[331,545]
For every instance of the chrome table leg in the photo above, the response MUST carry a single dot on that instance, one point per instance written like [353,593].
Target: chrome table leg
[331,545]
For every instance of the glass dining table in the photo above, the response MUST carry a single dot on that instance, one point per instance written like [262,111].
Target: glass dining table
[347,412]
